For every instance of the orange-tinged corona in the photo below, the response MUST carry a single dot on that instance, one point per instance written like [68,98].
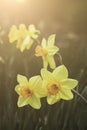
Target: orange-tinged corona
[25,92]
[53,88]
[39,51]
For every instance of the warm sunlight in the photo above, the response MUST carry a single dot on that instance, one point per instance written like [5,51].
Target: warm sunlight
[14,1]
[21,1]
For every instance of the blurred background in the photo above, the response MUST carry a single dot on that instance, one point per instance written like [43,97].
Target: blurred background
[68,20]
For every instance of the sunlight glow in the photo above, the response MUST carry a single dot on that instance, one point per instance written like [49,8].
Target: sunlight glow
[14,1]
[21,1]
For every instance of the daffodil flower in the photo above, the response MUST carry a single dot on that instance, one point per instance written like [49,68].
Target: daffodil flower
[57,85]
[47,50]
[24,37]
[30,91]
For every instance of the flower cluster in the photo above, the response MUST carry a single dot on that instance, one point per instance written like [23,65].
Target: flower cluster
[53,85]
[24,37]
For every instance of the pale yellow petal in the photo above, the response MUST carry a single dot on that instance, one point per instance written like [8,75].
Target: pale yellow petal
[19,43]
[34,36]
[26,40]
[41,90]
[13,34]
[60,72]
[53,50]
[30,44]
[35,81]
[51,40]
[51,99]
[66,94]
[34,102]
[44,86]
[31,28]
[69,83]
[33,32]
[43,43]
[46,75]
[27,43]
[17,89]
[22,27]
[22,80]
[22,102]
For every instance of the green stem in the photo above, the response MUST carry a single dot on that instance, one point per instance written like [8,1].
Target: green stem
[59,58]
[79,95]
[37,41]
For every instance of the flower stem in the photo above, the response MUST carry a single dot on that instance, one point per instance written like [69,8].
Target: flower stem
[85,100]
[59,58]
[38,42]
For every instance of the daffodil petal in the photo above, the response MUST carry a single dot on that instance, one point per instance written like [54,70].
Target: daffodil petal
[53,50]
[51,62]
[17,89]
[66,94]
[34,102]
[34,36]
[31,28]
[51,99]
[30,44]
[33,32]
[19,43]
[69,83]
[34,81]
[27,43]
[27,40]
[44,85]
[60,72]
[22,80]
[22,102]
[51,40]
[41,90]
[43,43]
[46,75]
[40,93]
[13,34]
[22,27]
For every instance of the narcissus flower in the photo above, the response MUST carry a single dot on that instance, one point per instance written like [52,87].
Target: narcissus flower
[47,50]
[30,91]
[24,37]
[57,85]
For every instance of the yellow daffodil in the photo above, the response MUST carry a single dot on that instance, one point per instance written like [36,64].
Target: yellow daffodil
[57,85]
[24,37]
[30,91]
[13,34]
[47,50]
